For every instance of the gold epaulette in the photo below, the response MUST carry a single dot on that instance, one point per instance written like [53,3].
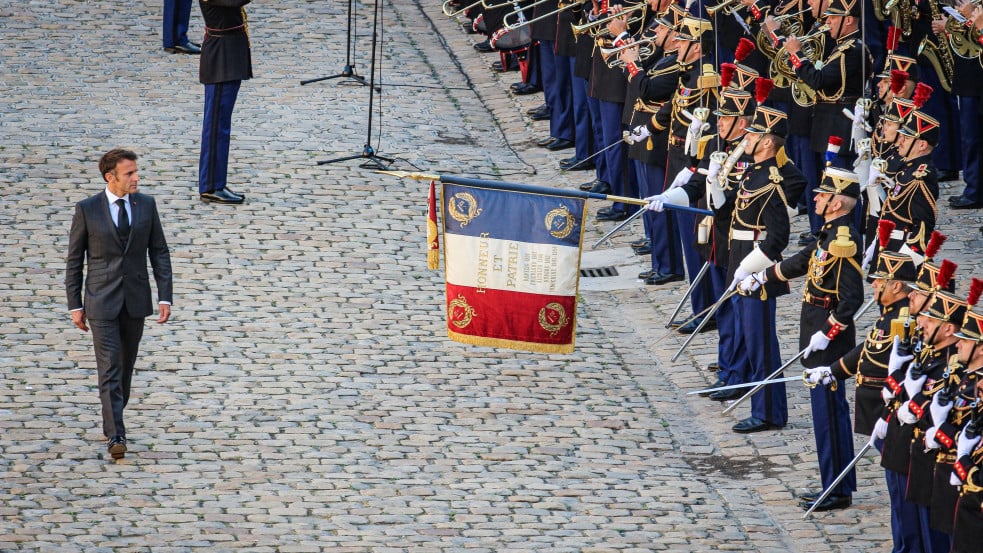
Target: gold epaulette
[781,157]
[843,246]
[701,145]
[898,325]
[708,79]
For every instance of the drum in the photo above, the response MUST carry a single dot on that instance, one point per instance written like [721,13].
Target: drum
[511,39]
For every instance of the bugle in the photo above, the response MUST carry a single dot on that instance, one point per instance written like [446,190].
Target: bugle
[599,26]
[644,45]
[728,7]
[554,13]
[449,10]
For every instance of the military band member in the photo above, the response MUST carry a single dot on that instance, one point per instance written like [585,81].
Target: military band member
[832,294]
[967,532]
[759,233]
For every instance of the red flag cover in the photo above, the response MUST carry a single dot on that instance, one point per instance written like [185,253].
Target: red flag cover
[512,265]
[433,242]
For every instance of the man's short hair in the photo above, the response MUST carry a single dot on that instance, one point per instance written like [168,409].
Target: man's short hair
[108,161]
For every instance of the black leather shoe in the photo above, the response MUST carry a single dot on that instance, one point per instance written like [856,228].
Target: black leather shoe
[727,395]
[753,424]
[560,144]
[511,65]
[809,497]
[946,176]
[542,115]
[540,107]
[831,503]
[716,384]
[713,367]
[230,191]
[690,327]
[611,215]
[644,250]
[963,203]
[188,48]
[484,47]
[117,447]
[221,197]
[665,278]
[645,274]
[587,186]
[805,235]
[469,28]
[525,88]
[577,165]
[601,188]
[544,142]
[639,243]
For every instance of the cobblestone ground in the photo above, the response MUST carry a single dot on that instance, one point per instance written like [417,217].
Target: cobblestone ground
[303,397]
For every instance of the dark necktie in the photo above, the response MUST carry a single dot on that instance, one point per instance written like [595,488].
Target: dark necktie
[122,221]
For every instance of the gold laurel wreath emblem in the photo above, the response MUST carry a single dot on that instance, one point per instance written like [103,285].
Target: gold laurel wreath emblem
[467,211]
[459,313]
[560,222]
[553,318]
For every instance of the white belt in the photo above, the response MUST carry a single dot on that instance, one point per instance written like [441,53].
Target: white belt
[897,234]
[749,235]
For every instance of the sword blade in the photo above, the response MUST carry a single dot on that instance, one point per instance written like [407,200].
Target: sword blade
[692,286]
[613,231]
[592,156]
[706,318]
[754,390]
[826,493]
[747,385]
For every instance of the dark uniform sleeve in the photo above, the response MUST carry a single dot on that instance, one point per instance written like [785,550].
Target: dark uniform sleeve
[793,267]
[775,219]
[830,78]
[793,183]
[849,288]
[848,365]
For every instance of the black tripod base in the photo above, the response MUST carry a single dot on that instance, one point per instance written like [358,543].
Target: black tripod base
[375,161]
[348,72]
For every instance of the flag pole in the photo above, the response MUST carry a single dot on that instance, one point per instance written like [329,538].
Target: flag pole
[533,189]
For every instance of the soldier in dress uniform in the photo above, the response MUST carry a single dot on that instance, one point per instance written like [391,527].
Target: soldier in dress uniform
[838,79]
[967,532]
[911,399]
[225,63]
[949,412]
[695,93]
[833,292]
[653,83]
[714,186]
[759,233]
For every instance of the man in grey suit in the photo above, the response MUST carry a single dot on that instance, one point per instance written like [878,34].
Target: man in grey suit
[113,233]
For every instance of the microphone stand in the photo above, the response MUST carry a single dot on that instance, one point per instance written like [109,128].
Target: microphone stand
[348,72]
[375,161]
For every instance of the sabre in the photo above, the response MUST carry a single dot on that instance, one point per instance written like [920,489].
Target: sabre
[692,286]
[615,230]
[746,385]
[706,318]
[858,314]
[592,156]
[842,475]
[762,383]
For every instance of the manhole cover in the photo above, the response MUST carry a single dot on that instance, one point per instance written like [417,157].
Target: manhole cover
[599,272]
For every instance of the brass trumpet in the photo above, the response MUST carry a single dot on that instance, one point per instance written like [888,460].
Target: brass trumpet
[645,49]
[598,27]
[728,7]
[450,12]
[554,13]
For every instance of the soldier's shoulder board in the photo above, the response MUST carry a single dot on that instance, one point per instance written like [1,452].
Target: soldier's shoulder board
[921,172]
[701,146]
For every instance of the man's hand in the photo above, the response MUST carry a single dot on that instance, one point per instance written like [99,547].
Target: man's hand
[165,313]
[880,430]
[793,45]
[78,318]
[638,134]
[817,342]
[772,25]
[629,55]
[819,375]
[656,203]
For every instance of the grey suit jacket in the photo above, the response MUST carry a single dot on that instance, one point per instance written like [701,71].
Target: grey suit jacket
[116,277]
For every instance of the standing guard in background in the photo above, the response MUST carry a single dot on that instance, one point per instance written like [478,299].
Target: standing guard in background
[833,293]
[758,236]
[967,76]
[555,77]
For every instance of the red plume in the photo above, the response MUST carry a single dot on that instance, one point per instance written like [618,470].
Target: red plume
[922,92]
[743,50]
[975,289]
[935,242]
[762,88]
[893,37]
[884,230]
[898,79]
[836,141]
[946,270]
[727,73]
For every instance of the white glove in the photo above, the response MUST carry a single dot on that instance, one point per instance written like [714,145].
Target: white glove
[713,170]
[820,375]
[863,154]
[859,130]
[682,177]
[693,133]
[751,283]
[862,168]
[873,177]
[905,416]
[740,273]
[817,342]
[638,134]
[897,361]
[869,257]
[965,445]
[939,415]
[875,199]
[880,430]
[913,385]
[656,203]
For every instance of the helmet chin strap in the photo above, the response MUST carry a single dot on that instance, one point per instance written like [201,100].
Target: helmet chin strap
[910,147]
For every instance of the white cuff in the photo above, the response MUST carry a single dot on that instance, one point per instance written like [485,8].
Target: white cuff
[676,196]
[756,261]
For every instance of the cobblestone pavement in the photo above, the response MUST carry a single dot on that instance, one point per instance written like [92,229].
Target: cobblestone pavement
[303,397]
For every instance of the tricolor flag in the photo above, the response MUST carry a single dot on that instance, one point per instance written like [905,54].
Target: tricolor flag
[512,265]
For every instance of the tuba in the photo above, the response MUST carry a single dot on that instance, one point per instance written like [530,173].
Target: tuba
[782,70]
